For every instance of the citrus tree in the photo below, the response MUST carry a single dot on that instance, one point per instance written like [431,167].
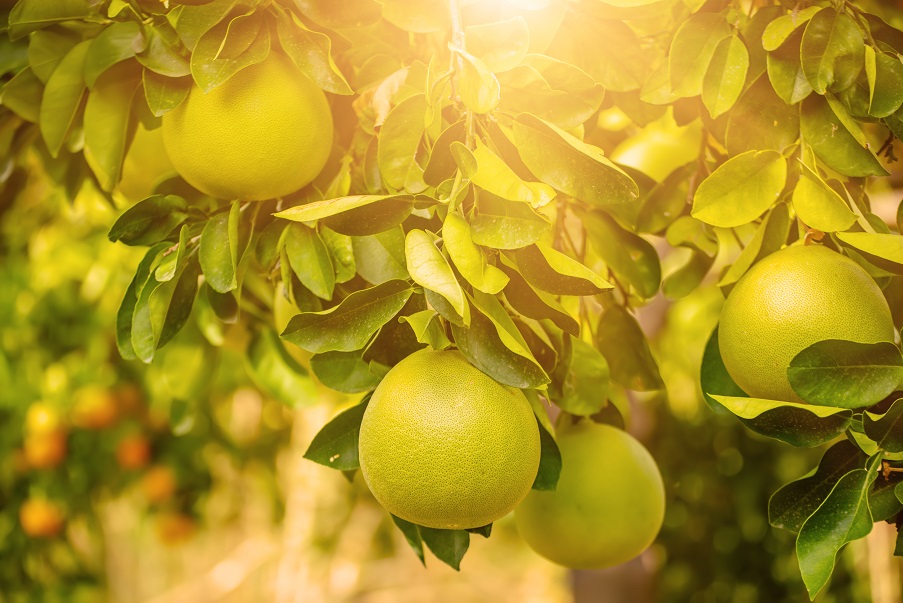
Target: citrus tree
[458,209]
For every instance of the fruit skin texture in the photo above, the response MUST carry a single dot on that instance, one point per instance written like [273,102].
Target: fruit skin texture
[609,504]
[786,302]
[264,133]
[445,446]
[40,518]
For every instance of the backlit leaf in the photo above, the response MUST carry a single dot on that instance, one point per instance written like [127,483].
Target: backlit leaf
[832,51]
[741,189]
[336,444]
[429,269]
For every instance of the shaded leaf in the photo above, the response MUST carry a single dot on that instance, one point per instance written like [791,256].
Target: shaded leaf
[503,224]
[118,42]
[428,329]
[411,534]
[278,374]
[549,460]
[554,272]
[63,97]
[358,215]
[886,430]
[150,220]
[449,546]
[27,17]
[310,260]
[336,444]
[343,371]
[216,254]
[380,257]
[311,52]
[622,342]
[713,376]
[831,140]
[831,51]
[801,425]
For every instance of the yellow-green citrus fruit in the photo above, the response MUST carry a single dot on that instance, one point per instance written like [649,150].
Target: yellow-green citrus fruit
[660,148]
[264,133]
[445,446]
[608,506]
[145,165]
[786,302]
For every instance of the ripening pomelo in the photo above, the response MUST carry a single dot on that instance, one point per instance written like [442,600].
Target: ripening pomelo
[609,503]
[264,133]
[445,446]
[786,302]
[41,518]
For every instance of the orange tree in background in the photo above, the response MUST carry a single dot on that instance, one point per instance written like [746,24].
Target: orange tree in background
[365,180]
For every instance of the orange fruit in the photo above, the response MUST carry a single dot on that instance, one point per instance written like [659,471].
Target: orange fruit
[445,446]
[133,452]
[45,450]
[609,504]
[174,527]
[788,301]
[94,408]
[159,484]
[264,133]
[41,518]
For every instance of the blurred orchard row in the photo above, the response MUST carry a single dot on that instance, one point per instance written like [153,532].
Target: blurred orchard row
[181,481]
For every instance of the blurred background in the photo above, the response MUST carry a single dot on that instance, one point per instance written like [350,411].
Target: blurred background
[183,482]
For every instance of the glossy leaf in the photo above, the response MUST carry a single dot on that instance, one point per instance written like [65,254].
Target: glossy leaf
[725,76]
[785,72]
[26,17]
[310,260]
[887,91]
[741,189]
[881,249]
[503,224]
[468,258]
[311,52]
[216,255]
[429,269]
[556,273]
[549,460]
[399,139]
[534,303]
[819,205]
[692,49]
[886,430]
[348,326]
[791,505]
[713,376]
[62,99]
[802,425]
[118,42]
[211,68]
[343,371]
[130,300]
[448,546]
[357,215]
[163,94]
[570,165]
[761,120]
[779,30]
[831,140]
[428,329]
[846,374]
[380,257]
[622,342]
[831,51]
[150,220]
[336,444]
[844,516]
[411,534]
[46,48]
[494,176]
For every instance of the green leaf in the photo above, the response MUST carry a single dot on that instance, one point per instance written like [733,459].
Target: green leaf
[846,374]
[108,123]
[761,120]
[725,76]
[341,251]
[468,258]
[713,376]
[46,48]
[793,503]
[501,45]
[883,501]
[584,388]
[118,42]
[493,350]
[162,93]
[275,372]
[494,175]
[216,256]
[741,189]
[556,273]
[832,51]
[570,165]
[429,269]
[62,99]
[832,141]
[195,21]
[150,220]
[310,260]
[770,236]
[842,518]
[441,164]
[484,531]
[503,224]
[428,329]
[411,534]
[887,91]
[380,257]
[779,30]
[27,17]
[164,54]
[399,140]
[228,48]
[311,51]
[343,371]
[818,205]
[336,444]
[553,90]
[883,249]
[694,45]
[629,256]
[549,460]
[358,215]
[449,546]
[477,85]
[622,342]
[22,95]
[130,300]
[348,326]
[886,430]
[785,72]
[533,303]
[801,425]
